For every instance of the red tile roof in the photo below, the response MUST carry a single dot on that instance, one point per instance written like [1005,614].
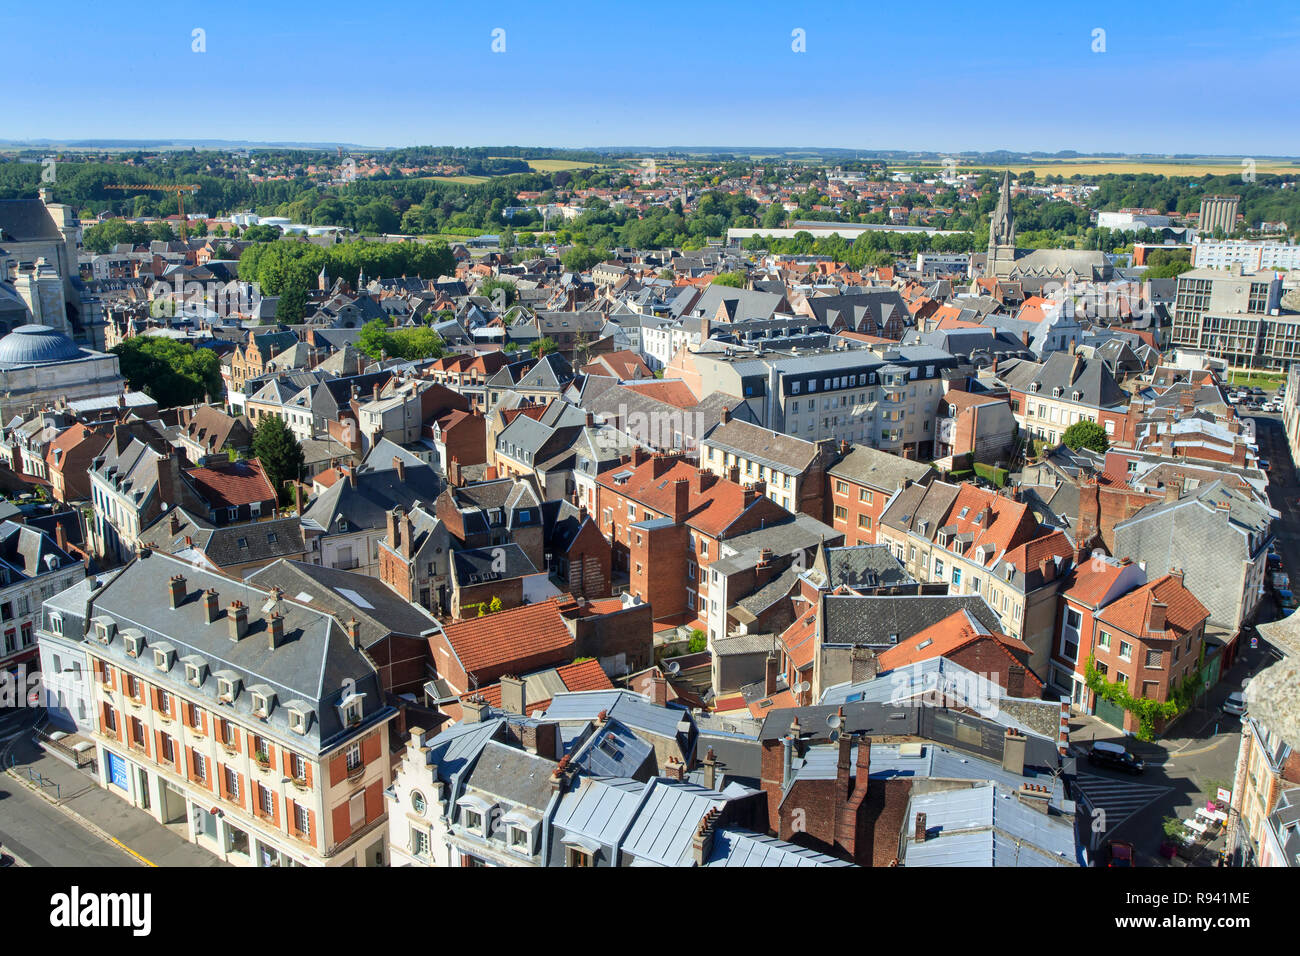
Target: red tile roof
[500,640]
[799,639]
[672,392]
[232,484]
[945,637]
[1132,612]
[1092,581]
[580,675]
[1032,554]
[710,512]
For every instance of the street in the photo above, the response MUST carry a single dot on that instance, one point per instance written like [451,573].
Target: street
[1184,769]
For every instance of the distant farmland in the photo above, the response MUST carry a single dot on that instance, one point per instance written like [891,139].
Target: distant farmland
[1105,166]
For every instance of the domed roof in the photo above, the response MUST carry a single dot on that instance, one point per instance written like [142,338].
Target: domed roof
[36,345]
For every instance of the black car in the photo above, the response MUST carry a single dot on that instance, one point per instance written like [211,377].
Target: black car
[1104,754]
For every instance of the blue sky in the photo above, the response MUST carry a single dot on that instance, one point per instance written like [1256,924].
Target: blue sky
[1186,77]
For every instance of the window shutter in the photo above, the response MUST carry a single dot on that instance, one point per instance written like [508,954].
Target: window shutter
[374,801]
[311,826]
[153,698]
[342,823]
[370,749]
[338,768]
[286,763]
[307,774]
[243,789]
[189,763]
[157,745]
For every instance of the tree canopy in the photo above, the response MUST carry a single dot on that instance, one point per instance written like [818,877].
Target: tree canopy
[378,340]
[280,453]
[1086,434]
[169,371]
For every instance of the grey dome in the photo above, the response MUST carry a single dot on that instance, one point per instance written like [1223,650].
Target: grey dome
[36,345]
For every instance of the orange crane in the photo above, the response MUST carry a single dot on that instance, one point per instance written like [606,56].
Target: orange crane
[180,192]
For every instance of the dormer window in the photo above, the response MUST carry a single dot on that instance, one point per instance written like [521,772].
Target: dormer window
[350,710]
[163,658]
[196,672]
[228,689]
[262,704]
[133,642]
[299,719]
[104,630]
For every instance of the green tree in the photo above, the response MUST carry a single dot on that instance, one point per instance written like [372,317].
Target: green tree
[292,306]
[735,280]
[169,371]
[488,287]
[275,446]
[1086,434]
[544,346]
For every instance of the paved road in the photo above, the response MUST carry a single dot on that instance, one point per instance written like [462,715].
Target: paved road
[43,835]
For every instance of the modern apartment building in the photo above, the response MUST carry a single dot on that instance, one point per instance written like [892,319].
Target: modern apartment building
[252,724]
[1236,316]
[1251,255]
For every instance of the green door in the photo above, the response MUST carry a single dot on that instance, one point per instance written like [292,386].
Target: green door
[1110,712]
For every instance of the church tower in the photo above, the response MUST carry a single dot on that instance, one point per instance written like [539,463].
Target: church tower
[1002,233]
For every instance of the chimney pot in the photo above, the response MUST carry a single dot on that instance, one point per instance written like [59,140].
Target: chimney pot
[176,590]
[211,605]
[920,833]
[237,615]
[275,629]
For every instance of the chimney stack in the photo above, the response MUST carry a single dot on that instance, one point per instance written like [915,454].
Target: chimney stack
[513,695]
[400,467]
[770,674]
[237,615]
[176,590]
[473,709]
[724,416]
[710,770]
[919,834]
[353,630]
[659,690]
[1013,752]
[211,606]
[275,629]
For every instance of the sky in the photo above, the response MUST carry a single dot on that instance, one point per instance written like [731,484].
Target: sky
[1162,77]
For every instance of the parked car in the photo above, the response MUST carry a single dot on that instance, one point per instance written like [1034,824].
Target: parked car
[1265,464]
[1235,704]
[1116,756]
[1119,854]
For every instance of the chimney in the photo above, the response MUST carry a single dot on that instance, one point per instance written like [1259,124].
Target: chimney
[374,392]
[764,557]
[638,456]
[710,770]
[703,480]
[1047,567]
[1013,752]
[674,769]
[1016,680]
[681,499]
[1035,796]
[237,615]
[393,520]
[211,606]
[724,416]
[844,763]
[60,536]
[702,842]
[659,691]
[351,472]
[863,665]
[919,833]
[176,590]
[174,522]
[769,674]
[733,473]
[513,697]
[864,760]
[353,629]
[400,466]
[473,709]
[274,629]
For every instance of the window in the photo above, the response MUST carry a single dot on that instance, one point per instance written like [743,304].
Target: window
[841,513]
[577,857]
[1121,678]
[265,800]
[418,803]
[864,522]
[956,576]
[1125,651]
[229,735]
[301,820]
[1103,640]
[938,568]
[1154,660]
[841,487]
[200,767]
[471,819]
[419,842]
[167,748]
[353,758]
[232,783]
[297,767]
[520,840]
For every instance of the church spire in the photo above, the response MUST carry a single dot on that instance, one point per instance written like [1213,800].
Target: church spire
[1002,232]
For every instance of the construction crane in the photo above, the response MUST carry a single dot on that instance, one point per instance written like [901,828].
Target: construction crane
[180,192]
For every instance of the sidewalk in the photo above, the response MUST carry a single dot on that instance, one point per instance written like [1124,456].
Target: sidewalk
[104,814]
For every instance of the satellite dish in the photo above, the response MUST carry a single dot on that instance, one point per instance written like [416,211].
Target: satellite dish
[834,721]
[802,687]
[673,668]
